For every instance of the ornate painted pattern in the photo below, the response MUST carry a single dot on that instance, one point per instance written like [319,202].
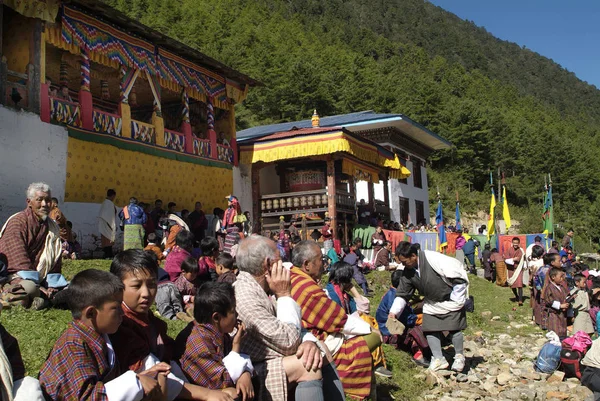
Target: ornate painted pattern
[225,153]
[174,141]
[65,112]
[143,132]
[107,123]
[96,36]
[202,147]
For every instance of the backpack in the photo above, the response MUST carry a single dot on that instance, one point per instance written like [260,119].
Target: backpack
[570,362]
[573,350]
[548,358]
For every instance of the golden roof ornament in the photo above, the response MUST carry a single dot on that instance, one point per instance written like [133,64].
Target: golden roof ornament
[315,119]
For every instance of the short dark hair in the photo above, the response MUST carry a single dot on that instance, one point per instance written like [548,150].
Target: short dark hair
[486,246]
[213,297]
[396,276]
[54,199]
[357,241]
[110,193]
[157,202]
[151,237]
[341,273]
[537,251]
[132,260]
[406,249]
[537,238]
[171,204]
[185,239]
[578,277]
[549,258]
[516,239]
[91,287]
[225,260]
[190,265]
[555,271]
[554,243]
[209,245]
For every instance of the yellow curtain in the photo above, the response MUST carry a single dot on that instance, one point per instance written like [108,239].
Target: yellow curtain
[46,10]
[319,144]
[360,172]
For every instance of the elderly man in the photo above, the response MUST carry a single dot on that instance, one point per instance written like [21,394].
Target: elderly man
[274,340]
[107,223]
[330,323]
[444,284]
[31,248]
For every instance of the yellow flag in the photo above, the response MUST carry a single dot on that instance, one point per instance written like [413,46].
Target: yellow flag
[491,226]
[505,212]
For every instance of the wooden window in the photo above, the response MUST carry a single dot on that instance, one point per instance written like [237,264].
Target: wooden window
[404,210]
[416,173]
[420,211]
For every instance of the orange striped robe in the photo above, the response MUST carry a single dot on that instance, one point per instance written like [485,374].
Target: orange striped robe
[322,317]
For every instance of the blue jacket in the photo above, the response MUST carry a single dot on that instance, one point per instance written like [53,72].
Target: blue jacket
[136,215]
[407,317]
[334,297]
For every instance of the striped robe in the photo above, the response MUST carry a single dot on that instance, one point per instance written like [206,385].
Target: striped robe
[322,317]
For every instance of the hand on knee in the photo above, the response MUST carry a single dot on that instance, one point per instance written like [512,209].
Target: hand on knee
[296,372]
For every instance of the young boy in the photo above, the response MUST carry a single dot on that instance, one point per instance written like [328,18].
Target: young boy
[581,306]
[152,247]
[207,354]
[142,341]
[225,269]
[186,283]
[82,363]
[413,335]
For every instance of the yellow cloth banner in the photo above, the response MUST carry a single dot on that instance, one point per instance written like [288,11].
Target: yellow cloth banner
[491,226]
[505,211]
[360,172]
[316,145]
[93,168]
[46,10]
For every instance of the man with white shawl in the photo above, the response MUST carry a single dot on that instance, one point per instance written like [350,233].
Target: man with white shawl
[107,223]
[31,249]
[444,284]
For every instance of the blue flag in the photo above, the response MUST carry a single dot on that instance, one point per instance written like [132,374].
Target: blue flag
[439,221]
[458,222]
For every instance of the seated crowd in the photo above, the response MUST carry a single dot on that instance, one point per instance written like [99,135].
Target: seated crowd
[262,323]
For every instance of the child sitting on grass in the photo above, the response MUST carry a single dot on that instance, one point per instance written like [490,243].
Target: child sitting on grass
[186,283]
[82,364]
[152,247]
[554,295]
[225,270]
[207,354]
[142,341]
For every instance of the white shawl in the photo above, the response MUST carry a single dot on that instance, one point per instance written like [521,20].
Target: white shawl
[448,268]
[515,276]
[107,220]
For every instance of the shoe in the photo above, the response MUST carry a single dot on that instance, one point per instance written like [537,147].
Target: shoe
[422,362]
[438,364]
[39,303]
[459,363]
[185,317]
[383,372]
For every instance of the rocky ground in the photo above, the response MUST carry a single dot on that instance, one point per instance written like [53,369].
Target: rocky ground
[500,367]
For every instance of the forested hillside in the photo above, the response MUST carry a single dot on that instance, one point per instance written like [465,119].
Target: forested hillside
[501,105]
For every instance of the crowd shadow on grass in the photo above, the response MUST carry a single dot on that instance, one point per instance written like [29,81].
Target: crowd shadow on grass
[385,390]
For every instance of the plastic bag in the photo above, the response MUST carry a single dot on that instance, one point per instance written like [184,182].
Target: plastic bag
[548,358]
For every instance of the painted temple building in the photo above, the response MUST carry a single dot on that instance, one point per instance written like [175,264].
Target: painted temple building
[336,166]
[91,99]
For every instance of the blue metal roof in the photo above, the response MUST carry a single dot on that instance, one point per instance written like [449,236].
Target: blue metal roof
[350,120]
